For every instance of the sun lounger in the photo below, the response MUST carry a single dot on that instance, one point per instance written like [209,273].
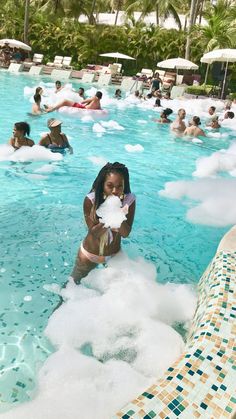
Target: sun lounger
[88,77]
[178,91]
[61,74]
[57,61]
[15,67]
[66,62]
[104,79]
[146,72]
[36,70]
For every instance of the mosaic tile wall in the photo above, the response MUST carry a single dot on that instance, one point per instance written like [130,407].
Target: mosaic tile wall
[202,382]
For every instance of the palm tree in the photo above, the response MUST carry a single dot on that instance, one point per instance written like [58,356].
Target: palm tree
[163,8]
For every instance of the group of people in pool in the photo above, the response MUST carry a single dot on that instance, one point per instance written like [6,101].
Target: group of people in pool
[92,103]
[193,129]
[54,140]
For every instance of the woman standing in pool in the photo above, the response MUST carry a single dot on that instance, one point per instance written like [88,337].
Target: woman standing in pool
[113,179]
[56,141]
[19,139]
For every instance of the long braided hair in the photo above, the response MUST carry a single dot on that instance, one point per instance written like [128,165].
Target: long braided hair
[98,184]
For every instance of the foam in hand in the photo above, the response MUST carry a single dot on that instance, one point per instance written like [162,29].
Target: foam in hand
[110,212]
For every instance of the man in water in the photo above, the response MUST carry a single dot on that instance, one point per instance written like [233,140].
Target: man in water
[179,125]
[193,130]
[93,103]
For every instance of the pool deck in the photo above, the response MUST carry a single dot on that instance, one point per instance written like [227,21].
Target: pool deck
[202,382]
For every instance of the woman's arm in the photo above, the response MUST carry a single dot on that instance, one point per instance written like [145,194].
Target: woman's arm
[126,226]
[96,228]
[68,144]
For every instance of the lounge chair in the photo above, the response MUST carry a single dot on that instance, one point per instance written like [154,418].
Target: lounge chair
[145,72]
[66,62]
[57,61]
[37,60]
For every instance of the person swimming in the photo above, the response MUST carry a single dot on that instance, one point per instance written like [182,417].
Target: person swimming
[19,139]
[101,242]
[36,107]
[93,103]
[56,141]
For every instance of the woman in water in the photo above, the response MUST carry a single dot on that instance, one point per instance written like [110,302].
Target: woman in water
[113,179]
[19,139]
[193,130]
[164,116]
[55,140]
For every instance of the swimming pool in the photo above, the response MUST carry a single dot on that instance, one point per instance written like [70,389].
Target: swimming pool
[42,220]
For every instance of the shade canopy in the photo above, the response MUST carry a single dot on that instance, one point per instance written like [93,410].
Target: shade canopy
[221,55]
[178,64]
[13,43]
[117,55]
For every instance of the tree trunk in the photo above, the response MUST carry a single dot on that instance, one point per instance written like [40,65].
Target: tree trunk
[117,11]
[92,21]
[191,23]
[26,21]
[157,15]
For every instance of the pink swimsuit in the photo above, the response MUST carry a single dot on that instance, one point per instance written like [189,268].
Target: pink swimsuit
[78,105]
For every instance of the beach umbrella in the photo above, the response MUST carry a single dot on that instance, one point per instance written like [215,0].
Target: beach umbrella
[13,43]
[117,56]
[177,64]
[219,55]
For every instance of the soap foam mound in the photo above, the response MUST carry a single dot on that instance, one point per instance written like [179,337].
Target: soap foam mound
[24,154]
[98,128]
[110,212]
[98,161]
[219,161]
[217,199]
[100,335]
[112,125]
[137,148]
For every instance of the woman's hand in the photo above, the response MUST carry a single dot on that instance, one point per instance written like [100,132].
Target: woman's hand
[98,230]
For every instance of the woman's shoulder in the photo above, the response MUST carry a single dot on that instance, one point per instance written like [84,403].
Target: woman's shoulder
[129,199]
[91,196]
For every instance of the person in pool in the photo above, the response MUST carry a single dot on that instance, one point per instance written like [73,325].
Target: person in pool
[36,107]
[113,179]
[118,94]
[178,125]
[58,86]
[56,141]
[164,116]
[93,103]
[193,130]
[19,139]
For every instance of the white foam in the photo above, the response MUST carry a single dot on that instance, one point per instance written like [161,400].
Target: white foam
[112,125]
[219,161]
[98,161]
[110,212]
[216,200]
[197,141]
[115,312]
[35,153]
[98,128]
[137,148]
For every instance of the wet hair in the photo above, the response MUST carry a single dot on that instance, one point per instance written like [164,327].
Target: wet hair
[37,97]
[38,90]
[197,120]
[22,126]
[181,110]
[167,111]
[58,82]
[98,184]
[230,114]
[117,92]
[149,95]
[158,102]
[136,93]
[99,95]
[213,108]
[81,88]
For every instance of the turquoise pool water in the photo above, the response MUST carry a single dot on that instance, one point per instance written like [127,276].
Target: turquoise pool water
[42,220]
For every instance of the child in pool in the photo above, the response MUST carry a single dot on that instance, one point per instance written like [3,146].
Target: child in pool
[100,242]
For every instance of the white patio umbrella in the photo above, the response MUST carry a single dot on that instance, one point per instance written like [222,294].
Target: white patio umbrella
[220,55]
[178,64]
[13,43]
[117,56]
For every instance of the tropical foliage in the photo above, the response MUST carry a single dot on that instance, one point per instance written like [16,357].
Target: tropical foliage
[54,29]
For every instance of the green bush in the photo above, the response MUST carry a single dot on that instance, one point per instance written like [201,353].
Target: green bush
[202,90]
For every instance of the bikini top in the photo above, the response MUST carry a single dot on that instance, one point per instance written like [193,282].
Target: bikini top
[128,198]
[53,146]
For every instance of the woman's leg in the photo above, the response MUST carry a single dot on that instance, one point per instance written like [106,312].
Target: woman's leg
[82,267]
[65,102]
